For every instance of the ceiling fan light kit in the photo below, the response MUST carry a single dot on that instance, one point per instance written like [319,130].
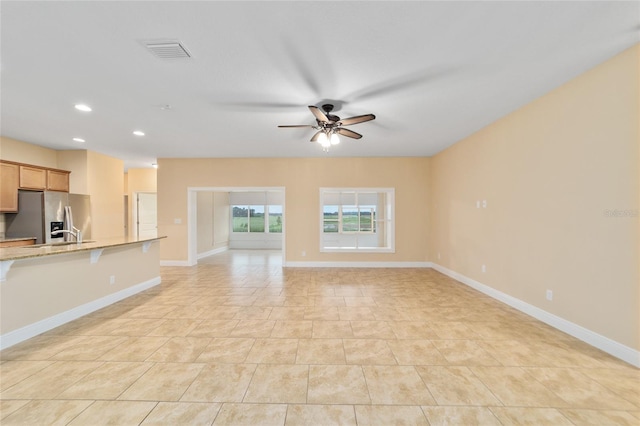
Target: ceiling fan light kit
[329,126]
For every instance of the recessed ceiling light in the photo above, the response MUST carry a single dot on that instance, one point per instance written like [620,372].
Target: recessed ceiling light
[83,107]
[78,139]
[138,133]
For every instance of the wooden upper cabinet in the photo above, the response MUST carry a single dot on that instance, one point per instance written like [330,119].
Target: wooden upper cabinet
[9,177]
[58,180]
[33,177]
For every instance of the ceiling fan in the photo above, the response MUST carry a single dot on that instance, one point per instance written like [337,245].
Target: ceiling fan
[329,126]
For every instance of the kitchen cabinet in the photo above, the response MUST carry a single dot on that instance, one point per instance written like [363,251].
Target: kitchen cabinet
[33,177]
[9,175]
[58,180]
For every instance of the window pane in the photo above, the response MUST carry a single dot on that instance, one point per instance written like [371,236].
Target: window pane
[256,216]
[275,218]
[240,219]
[350,222]
[366,215]
[330,214]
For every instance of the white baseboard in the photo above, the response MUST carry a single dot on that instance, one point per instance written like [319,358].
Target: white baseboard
[210,253]
[312,264]
[601,342]
[16,336]
[175,263]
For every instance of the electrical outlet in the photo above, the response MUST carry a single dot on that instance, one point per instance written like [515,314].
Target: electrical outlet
[303,253]
[549,295]
[177,221]
[478,204]
[484,204]
[112,279]
[484,268]
[438,255]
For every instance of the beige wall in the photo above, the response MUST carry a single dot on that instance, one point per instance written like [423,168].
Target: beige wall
[77,161]
[138,180]
[550,172]
[301,178]
[21,152]
[213,221]
[105,183]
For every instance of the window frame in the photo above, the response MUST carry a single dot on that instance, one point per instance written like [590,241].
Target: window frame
[387,220]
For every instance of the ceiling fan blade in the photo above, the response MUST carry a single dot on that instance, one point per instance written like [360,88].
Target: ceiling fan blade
[318,114]
[316,136]
[357,119]
[348,133]
[295,125]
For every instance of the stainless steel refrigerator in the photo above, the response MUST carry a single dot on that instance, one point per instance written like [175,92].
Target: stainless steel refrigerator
[42,212]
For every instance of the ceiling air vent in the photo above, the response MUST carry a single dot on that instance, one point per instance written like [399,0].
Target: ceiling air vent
[167,50]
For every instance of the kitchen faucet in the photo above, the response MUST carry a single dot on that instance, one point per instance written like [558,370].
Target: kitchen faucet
[77,235]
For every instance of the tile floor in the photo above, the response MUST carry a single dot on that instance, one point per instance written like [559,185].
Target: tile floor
[237,339]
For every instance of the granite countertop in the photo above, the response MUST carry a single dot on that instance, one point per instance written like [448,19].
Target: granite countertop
[39,250]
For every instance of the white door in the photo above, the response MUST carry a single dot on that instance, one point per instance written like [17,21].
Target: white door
[147,208]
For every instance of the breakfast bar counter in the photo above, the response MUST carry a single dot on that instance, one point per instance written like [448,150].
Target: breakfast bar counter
[44,286]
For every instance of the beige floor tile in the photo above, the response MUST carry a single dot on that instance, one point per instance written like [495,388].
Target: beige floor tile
[88,348]
[295,329]
[320,415]
[320,351]
[276,383]
[114,413]
[163,382]
[396,385]
[214,328]
[220,383]
[273,351]
[530,416]
[578,390]
[412,330]
[329,301]
[416,352]
[137,327]
[48,412]
[287,313]
[298,301]
[251,414]
[625,382]
[452,330]
[464,352]
[359,301]
[321,313]
[37,349]
[253,328]
[387,313]
[134,349]
[182,413]
[107,381]
[180,349]
[9,406]
[50,381]
[12,372]
[600,417]
[372,330]
[441,416]
[220,313]
[389,415]
[456,386]
[254,313]
[227,350]
[175,327]
[355,313]
[337,384]
[515,387]
[514,353]
[331,329]
[368,352]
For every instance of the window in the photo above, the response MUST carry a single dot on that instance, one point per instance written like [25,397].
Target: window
[357,220]
[252,218]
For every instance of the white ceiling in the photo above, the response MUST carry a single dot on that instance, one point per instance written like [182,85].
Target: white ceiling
[432,72]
